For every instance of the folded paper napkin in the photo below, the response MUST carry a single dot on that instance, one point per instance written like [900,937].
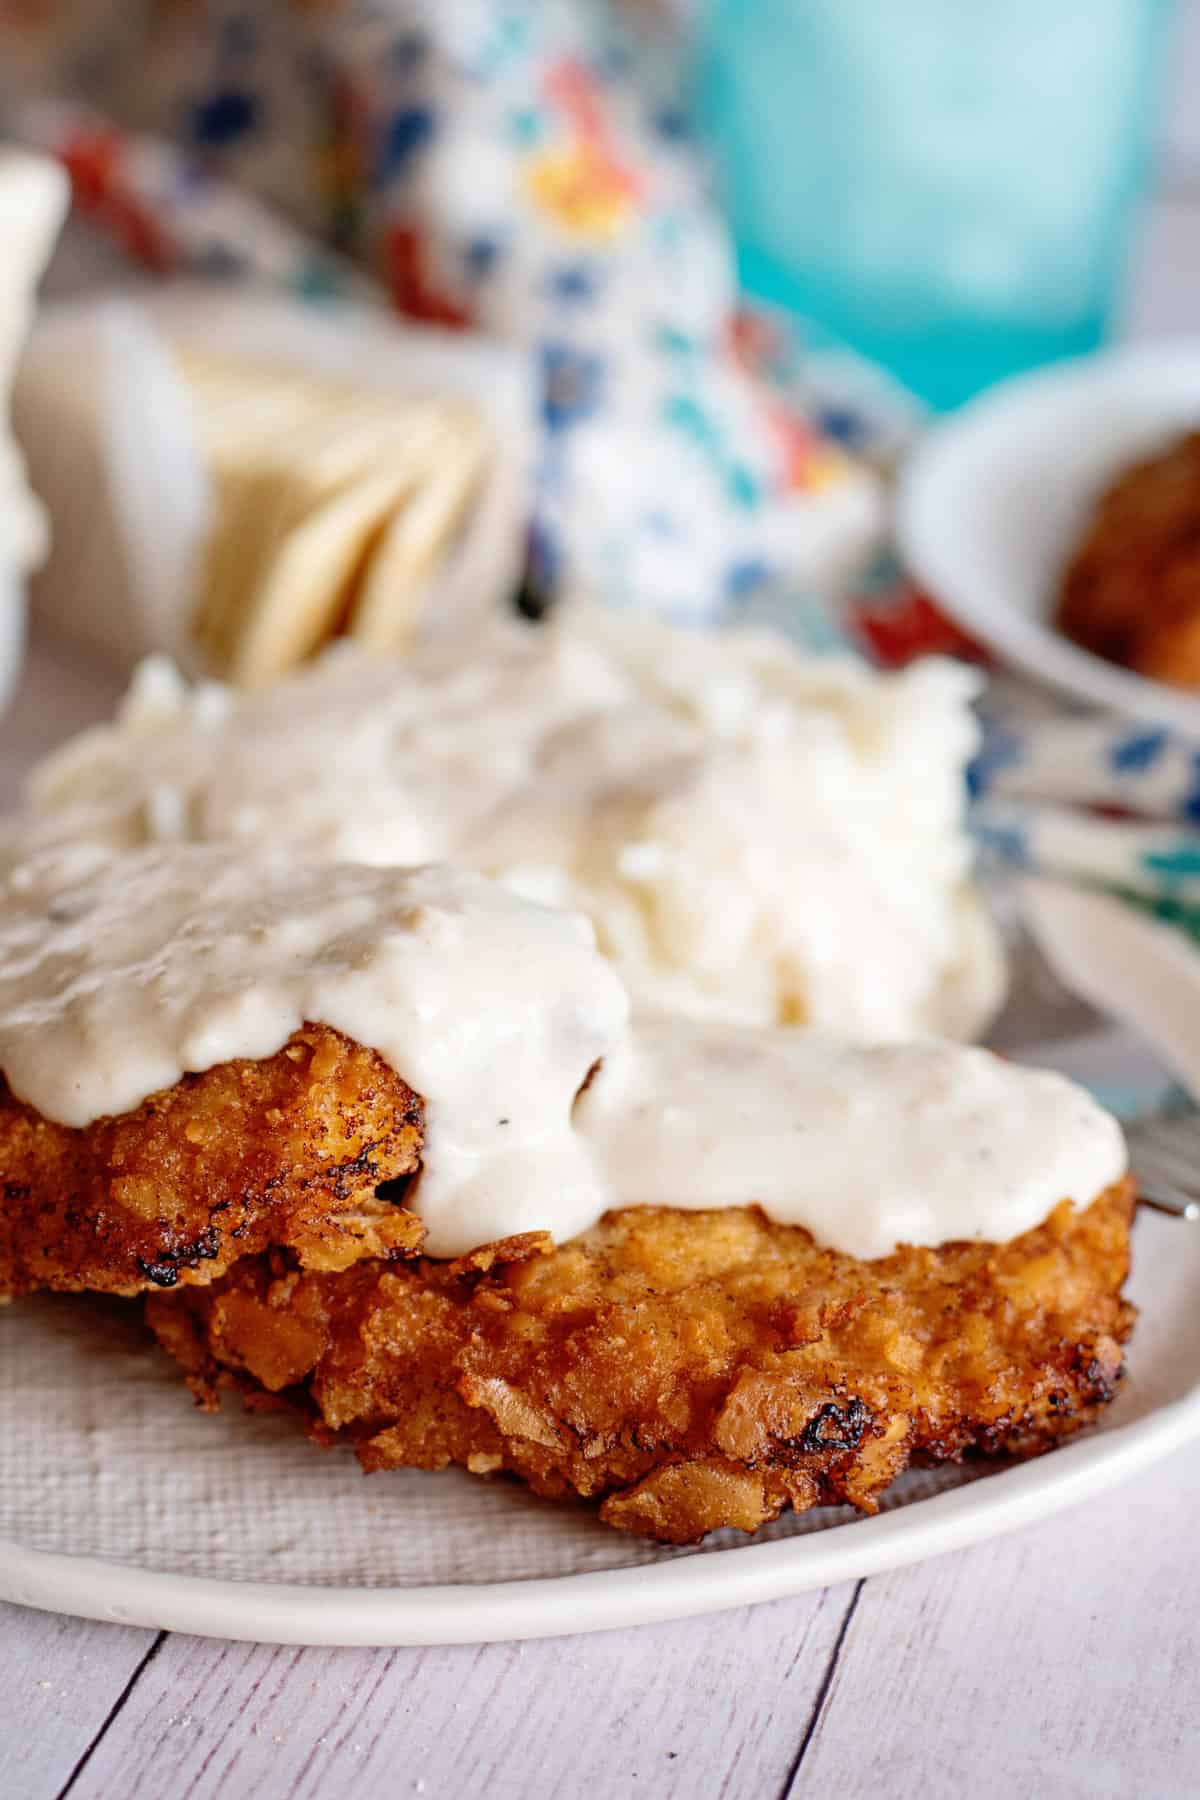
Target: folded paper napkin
[516,169]
[234,476]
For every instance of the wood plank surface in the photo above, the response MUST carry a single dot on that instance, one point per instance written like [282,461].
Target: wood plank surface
[61,1681]
[1059,1662]
[709,1707]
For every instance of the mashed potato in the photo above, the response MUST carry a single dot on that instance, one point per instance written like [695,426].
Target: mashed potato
[758,836]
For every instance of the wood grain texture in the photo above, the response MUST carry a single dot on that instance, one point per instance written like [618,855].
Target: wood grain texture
[1060,1662]
[59,1681]
[712,1707]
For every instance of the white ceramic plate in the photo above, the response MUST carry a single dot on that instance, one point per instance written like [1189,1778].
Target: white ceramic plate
[119,1502]
[991,502]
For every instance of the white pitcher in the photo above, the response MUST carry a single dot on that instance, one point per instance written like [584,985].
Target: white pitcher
[33,204]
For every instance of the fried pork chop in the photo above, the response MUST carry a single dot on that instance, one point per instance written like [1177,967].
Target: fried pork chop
[285,1153]
[685,1370]
[1131,591]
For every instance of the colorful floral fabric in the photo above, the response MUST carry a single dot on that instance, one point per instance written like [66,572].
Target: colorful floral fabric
[518,167]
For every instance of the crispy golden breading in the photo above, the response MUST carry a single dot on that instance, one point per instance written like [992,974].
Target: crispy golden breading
[687,1370]
[248,1156]
[1131,592]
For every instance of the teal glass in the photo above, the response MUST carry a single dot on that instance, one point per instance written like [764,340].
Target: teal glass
[948,186]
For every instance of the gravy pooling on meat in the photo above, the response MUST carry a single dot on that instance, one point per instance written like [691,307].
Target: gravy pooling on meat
[545,1106]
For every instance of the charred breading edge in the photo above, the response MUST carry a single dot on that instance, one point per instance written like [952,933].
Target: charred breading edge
[686,1370]
[287,1152]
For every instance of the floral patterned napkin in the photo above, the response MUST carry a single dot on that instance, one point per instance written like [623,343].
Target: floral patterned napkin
[521,170]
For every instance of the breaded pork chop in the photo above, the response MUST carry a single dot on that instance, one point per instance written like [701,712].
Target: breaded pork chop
[1131,591]
[287,1152]
[685,1370]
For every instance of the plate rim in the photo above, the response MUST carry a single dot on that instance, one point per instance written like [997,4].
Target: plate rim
[1020,639]
[597,1600]
[296,1613]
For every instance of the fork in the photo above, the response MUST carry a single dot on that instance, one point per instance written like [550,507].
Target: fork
[1164,1146]
[1164,1159]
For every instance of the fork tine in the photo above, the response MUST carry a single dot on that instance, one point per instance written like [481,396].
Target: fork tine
[1164,1156]
[1161,1171]
[1164,1199]
[1164,1150]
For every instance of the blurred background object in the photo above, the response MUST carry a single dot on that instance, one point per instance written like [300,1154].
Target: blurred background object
[521,172]
[922,198]
[33,202]
[950,190]
[235,478]
[935,196]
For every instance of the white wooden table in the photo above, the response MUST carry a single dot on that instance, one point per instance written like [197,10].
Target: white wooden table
[1059,1663]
